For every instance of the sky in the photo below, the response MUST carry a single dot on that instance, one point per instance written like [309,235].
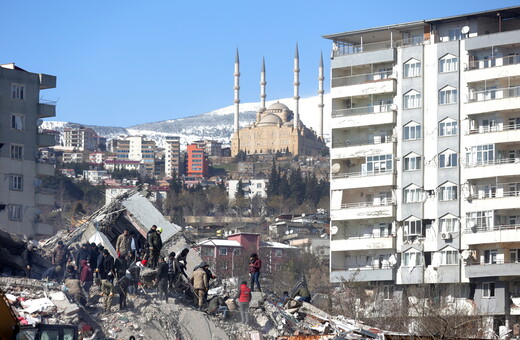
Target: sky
[122,63]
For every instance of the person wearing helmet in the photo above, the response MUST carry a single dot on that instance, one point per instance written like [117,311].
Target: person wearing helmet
[155,246]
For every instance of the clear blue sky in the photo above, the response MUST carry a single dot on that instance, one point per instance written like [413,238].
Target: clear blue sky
[128,62]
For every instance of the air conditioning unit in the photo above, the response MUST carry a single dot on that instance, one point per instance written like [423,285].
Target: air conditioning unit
[446,236]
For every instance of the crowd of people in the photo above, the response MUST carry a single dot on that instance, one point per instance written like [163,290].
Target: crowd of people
[93,265]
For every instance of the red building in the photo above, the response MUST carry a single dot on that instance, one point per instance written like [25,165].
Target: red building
[230,257]
[197,162]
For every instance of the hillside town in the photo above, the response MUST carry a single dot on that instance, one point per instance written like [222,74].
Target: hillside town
[400,222]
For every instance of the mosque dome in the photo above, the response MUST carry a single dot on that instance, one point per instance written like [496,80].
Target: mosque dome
[277,107]
[270,119]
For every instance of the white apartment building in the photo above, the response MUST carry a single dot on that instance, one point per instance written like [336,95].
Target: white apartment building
[172,156]
[137,148]
[251,187]
[21,169]
[79,137]
[425,157]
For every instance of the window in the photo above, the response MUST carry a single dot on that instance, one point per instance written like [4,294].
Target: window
[488,290]
[278,252]
[412,131]
[222,251]
[481,219]
[15,182]
[448,192]
[412,194]
[448,63]
[481,154]
[412,68]
[388,292]
[17,91]
[514,255]
[448,159]
[16,151]
[448,95]
[223,265]
[448,224]
[413,227]
[376,164]
[412,100]
[15,212]
[455,34]
[448,127]
[412,259]
[490,256]
[412,162]
[449,257]
[17,122]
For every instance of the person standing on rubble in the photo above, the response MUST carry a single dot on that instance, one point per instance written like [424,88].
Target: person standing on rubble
[83,254]
[28,259]
[92,259]
[171,271]
[199,280]
[60,255]
[120,266]
[122,288]
[107,290]
[135,272]
[108,266]
[254,270]
[181,262]
[244,297]
[86,277]
[100,269]
[123,243]
[162,279]
[154,245]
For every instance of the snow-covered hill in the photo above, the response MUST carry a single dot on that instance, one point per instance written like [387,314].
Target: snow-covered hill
[216,124]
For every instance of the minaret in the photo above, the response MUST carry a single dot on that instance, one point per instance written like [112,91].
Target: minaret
[237,91]
[263,82]
[296,87]
[321,78]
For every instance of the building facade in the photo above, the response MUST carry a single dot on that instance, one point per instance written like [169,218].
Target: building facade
[136,148]
[425,146]
[21,169]
[80,138]
[172,156]
[196,161]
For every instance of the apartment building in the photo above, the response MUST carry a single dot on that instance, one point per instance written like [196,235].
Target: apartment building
[137,148]
[172,156]
[80,138]
[197,161]
[425,157]
[21,168]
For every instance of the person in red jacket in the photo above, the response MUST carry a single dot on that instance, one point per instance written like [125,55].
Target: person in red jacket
[244,297]
[254,270]
[86,277]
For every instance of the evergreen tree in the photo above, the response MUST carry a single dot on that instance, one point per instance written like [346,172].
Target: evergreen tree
[274,181]
[240,193]
[297,186]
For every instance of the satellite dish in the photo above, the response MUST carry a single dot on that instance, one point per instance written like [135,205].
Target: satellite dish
[334,230]
[464,30]
[336,167]
[287,232]
[393,107]
[291,232]
[39,122]
[465,254]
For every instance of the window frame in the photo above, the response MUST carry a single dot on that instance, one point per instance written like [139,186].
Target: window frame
[16,182]
[448,95]
[448,224]
[16,151]
[415,224]
[17,91]
[409,255]
[15,212]
[448,60]
[408,161]
[450,156]
[449,257]
[412,128]
[414,66]
[448,125]
[488,287]
[448,192]
[412,97]
[413,191]
[222,251]
[17,122]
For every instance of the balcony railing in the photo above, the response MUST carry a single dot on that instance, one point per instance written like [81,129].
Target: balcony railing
[367,267]
[340,48]
[358,111]
[383,202]
[494,262]
[493,162]
[374,141]
[485,194]
[362,174]
[48,102]
[360,236]
[489,228]
[494,128]
[494,94]
[494,62]
[362,78]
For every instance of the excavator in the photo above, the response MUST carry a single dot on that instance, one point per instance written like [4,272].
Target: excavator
[11,329]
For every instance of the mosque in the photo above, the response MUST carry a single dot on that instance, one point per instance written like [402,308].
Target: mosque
[276,128]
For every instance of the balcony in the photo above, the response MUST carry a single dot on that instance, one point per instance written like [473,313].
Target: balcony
[364,116]
[494,134]
[44,169]
[362,274]
[500,268]
[493,168]
[372,88]
[411,275]
[45,196]
[46,109]
[498,198]
[491,234]
[492,68]
[341,48]
[362,210]
[44,139]
[353,149]
[362,243]
[493,100]
[47,81]
[352,180]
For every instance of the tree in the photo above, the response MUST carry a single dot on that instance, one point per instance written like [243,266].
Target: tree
[241,156]
[240,193]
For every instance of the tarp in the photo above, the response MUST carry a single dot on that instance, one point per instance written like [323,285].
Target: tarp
[100,238]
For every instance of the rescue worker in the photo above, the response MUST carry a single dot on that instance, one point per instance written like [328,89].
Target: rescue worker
[108,266]
[123,243]
[155,246]
[107,290]
[162,279]
[199,280]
